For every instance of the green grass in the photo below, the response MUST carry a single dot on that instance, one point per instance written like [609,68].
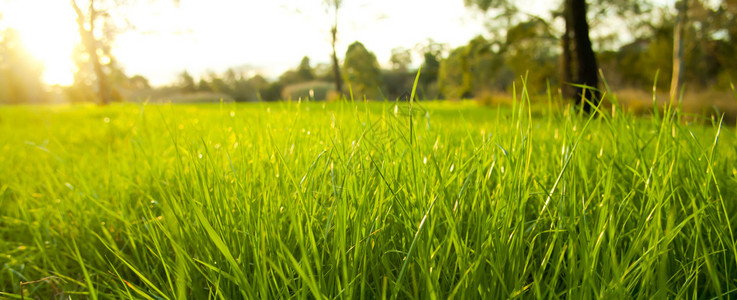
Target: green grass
[358,200]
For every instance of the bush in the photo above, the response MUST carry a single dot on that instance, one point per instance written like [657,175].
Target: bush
[313,90]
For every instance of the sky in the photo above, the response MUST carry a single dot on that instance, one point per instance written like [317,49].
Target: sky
[266,37]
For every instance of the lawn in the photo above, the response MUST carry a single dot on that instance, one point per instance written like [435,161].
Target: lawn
[364,200]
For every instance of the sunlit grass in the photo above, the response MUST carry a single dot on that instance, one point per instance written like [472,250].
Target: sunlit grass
[352,200]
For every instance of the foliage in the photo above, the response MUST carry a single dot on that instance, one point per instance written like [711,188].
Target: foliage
[708,57]
[95,76]
[531,44]
[454,77]
[304,70]
[186,83]
[234,84]
[400,59]
[432,53]
[397,84]
[362,72]
[473,68]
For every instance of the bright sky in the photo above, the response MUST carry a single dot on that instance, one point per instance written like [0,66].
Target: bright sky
[267,37]
[264,36]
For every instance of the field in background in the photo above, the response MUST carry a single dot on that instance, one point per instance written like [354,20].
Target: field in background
[348,200]
[697,107]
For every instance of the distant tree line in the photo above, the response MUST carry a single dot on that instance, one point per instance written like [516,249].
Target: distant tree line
[697,39]
[522,45]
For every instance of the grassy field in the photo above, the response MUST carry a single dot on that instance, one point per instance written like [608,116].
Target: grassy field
[356,200]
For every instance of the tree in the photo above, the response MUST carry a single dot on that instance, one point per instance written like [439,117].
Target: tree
[400,59]
[677,74]
[566,58]
[334,5]
[362,71]
[204,86]
[432,53]
[186,83]
[531,43]
[473,69]
[97,24]
[93,46]
[138,82]
[289,77]
[454,77]
[577,26]
[587,69]
[324,72]
[304,71]
[259,83]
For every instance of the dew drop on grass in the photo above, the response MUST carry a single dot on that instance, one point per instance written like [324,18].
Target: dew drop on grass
[396,110]
[452,167]
[424,160]
[199,155]
[106,120]
[69,185]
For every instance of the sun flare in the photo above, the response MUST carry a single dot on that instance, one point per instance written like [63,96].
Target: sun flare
[49,34]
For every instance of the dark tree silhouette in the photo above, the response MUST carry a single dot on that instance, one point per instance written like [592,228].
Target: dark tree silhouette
[335,6]
[86,26]
[586,65]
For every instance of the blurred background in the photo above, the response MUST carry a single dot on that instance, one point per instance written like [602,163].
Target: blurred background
[104,51]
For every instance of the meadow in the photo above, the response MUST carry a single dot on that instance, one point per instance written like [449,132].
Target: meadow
[373,200]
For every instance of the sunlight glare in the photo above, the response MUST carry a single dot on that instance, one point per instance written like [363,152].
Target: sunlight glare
[49,34]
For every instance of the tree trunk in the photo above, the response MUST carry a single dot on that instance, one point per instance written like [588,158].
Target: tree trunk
[336,66]
[90,45]
[585,58]
[566,59]
[676,81]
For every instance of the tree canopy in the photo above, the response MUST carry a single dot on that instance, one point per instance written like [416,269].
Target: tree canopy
[362,71]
